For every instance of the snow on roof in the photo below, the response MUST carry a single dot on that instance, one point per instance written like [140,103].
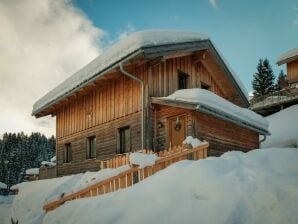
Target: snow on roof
[289,56]
[124,49]
[32,171]
[211,102]
[3,185]
[47,163]
[283,128]
[53,159]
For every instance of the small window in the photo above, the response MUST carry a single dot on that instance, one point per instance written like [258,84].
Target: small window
[124,140]
[205,86]
[67,155]
[91,147]
[182,80]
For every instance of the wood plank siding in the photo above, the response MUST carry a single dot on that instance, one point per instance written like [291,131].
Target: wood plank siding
[113,101]
[292,71]
[222,135]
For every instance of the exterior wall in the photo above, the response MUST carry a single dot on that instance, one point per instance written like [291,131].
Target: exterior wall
[109,101]
[47,172]
[113,103]
[224,136]
[106,144]
[292,72]
[163,77]
[161,115]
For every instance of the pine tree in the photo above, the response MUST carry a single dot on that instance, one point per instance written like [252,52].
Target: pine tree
[282,81]
[263,79]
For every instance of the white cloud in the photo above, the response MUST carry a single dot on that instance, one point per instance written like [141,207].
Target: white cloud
[214,4]
[41,43]
[126,31]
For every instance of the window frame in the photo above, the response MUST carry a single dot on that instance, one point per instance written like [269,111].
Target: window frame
[91,147]
[121,131]
[67,153]
[205,86]
[185,77]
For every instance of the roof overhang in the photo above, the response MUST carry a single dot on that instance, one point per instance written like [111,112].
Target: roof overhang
[201,107]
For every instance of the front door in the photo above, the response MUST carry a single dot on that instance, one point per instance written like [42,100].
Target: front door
[177,130]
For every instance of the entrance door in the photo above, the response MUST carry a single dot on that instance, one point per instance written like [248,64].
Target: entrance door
[177,130]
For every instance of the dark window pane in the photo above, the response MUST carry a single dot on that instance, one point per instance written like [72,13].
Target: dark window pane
[182,80]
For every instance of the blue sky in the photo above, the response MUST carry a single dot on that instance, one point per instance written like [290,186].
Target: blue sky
[244,31]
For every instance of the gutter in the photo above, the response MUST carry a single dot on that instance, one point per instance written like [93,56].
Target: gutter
[264,139]
[142,98]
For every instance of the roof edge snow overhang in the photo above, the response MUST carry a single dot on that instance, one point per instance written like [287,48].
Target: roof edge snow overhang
[201,107]
[152,52]
[287,60]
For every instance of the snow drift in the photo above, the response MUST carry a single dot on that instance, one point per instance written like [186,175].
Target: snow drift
[283,128]
[257,187]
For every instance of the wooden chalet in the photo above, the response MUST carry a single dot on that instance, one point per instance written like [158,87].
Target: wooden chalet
[285,97]
[114,104]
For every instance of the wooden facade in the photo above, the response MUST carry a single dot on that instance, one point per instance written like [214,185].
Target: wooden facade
[112,102]
[292,72]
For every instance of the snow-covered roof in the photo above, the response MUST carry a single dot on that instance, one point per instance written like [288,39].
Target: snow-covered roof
[208,102]
[32,171]
[47,163]
[289,56]
[3,185]
[127,48]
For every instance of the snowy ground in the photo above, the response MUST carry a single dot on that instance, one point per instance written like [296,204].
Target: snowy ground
[283,128]
[5,208]
[257,187]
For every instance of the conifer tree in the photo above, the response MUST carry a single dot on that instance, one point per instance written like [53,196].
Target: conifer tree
[263,79]
[282,81]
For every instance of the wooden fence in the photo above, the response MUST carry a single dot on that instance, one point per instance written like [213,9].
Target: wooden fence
[132,176]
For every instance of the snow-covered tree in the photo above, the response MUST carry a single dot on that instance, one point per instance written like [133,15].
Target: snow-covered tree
[263,79]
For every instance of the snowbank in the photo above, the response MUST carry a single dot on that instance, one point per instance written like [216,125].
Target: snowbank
[32,171]
[28,203]
[283,128]
[142,159]
[211,100]
[3,185]
[257,187]
[194,142]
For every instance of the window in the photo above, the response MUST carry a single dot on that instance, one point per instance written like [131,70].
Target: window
[67,154]
[124,140]
[91,147]
[205,86]
[182,80]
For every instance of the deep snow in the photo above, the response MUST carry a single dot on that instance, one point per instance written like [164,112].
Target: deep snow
[257,187]
[283,128]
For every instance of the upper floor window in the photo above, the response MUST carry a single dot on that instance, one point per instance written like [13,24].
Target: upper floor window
[67,153]
[182,80]
[91,147]
[205,86]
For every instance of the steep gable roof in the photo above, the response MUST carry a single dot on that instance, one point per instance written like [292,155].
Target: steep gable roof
[150,43]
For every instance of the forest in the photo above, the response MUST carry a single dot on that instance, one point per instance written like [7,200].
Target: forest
[19,151]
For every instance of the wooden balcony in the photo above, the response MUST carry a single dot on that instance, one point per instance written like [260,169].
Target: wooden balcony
[274,102]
